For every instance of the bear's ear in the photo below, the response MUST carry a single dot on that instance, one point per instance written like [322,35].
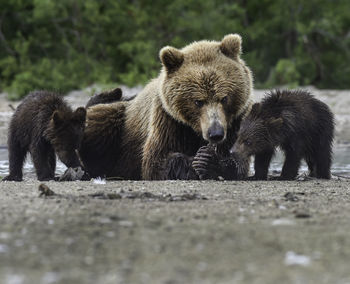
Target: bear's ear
[231,46]
[255,109]
[57,118]
[80,114]
[275,123]
[116,93]
[171,58]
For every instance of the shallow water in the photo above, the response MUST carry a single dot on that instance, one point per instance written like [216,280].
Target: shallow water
[28,169]
[340,166]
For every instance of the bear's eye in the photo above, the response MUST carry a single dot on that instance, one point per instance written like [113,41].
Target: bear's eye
[248,142]
[224,100]
[199,103]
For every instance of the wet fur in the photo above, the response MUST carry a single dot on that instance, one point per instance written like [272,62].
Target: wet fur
[302,126]
[44,125]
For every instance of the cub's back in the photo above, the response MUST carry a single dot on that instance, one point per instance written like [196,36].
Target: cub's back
[33,115]
[299,109]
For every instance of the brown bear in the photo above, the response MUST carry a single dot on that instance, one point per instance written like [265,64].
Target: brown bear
[44,125]
[302,126]
[200,96]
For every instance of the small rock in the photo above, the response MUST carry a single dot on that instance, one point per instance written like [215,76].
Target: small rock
[147,194]
[302,215]
[289,196]
[45,190]
[114,196]
[292,258]
[220,178]
[72,174]
[125,223]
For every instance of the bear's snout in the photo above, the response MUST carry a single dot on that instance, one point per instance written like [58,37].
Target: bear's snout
[234,149]
[216,133]
[240,149]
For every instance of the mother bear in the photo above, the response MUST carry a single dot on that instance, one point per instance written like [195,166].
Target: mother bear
[199,97]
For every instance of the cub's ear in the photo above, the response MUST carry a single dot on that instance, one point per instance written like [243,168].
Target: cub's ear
[255,109]
[80,114]
[275,123]
[171,58]
[57,118]
[231,46]
[117,93]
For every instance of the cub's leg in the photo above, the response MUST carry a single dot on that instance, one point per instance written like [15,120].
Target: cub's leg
[311,165]
[17,155]
[323,160]
[291,165]
[261,165]
[44,160]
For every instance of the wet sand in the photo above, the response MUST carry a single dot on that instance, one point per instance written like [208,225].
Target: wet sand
[176,232]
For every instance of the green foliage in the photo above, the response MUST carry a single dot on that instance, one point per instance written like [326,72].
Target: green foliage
[64,45]
[284,73]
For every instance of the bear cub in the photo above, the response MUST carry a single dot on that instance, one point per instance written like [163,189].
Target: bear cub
[302,126]
[107,97]
[44,125]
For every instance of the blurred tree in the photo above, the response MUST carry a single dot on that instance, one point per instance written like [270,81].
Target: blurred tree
[62,45]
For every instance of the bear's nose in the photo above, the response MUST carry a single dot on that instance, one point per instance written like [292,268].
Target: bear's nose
[216,133]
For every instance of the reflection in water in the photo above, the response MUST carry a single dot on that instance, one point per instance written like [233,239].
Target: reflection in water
[341,163]
[28,169]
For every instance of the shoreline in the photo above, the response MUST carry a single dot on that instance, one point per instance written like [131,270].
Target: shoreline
[337,100]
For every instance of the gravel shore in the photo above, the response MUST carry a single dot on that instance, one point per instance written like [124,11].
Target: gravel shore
[175,232]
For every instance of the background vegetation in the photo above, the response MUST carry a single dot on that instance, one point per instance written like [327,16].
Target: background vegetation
[70,44]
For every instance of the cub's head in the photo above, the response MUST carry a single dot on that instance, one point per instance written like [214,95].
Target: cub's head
[257,133]
[206,85]
[66,134]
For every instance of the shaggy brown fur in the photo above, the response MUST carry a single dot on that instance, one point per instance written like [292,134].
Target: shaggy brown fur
[200,96]
[44,125]
[302,126]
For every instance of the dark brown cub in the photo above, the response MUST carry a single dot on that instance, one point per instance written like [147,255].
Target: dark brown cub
[302,126]
[44,125]
[108,97]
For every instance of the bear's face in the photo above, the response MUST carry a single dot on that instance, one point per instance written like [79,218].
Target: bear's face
[257,133]
[206,85]
[67,134]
